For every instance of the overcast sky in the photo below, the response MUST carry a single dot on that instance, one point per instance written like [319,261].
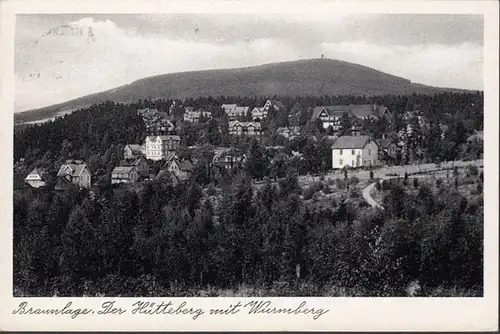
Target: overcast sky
[437,50]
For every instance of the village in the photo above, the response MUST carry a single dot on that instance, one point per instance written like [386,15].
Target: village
[350,149]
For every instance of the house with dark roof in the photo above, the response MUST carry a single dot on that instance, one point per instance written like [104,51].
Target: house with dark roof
[228,158]
[238,128]
[183,169]
[354,151]
[156,122]
[388,149]
[124,174]
[332,115]
[259,113]
[75,171]
[140,163]
[131,151]
[168,176]
[36,178]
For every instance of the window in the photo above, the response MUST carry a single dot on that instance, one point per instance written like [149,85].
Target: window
[341,162]
[353,163]
[340,153]
[369,152]
[352,152]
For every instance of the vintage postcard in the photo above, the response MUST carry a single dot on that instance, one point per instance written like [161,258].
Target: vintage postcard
[230,165]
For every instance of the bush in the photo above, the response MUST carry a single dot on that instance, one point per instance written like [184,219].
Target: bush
[439,182]
[354,180]
[211,191]
[355,193]
[469,180]
[327,190]
[322,178]
[473,170]
[340,184]
[378,186]
[371,175]
[415,183]
[311,190]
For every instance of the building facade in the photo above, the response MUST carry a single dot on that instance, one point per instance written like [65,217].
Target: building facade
[238,128]
[157,147]
[77,172]
[36,178]
[124,174]
[194,116]
[354,151]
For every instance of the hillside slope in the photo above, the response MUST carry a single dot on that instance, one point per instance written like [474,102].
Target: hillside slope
[313,77]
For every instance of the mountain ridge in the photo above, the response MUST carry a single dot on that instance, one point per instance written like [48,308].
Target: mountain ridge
[305,77]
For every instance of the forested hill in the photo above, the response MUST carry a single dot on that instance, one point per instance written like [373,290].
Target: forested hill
[313,77]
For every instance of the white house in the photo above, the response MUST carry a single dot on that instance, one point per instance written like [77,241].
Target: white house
[354,151]
[36,178]
[157,147]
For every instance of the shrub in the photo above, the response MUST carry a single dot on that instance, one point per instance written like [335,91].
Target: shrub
[355,193]
[354,180]
[469,180]
[378,186]
[415,183]
[473,170]
[322,178]
[439,182]
[371,175]
[211,191]
[340,184]
[327,190]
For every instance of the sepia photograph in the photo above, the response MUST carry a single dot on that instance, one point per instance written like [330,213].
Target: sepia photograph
[248,155]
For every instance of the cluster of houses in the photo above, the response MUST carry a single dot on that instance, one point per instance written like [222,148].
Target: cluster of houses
[157,122]
[331,116]
[161,143]
[192,116]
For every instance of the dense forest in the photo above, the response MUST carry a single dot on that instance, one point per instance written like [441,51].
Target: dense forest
[223,233]
[165,241]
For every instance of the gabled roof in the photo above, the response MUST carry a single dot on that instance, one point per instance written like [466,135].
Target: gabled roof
[132,162]
[167,137]
[367,110]
[166,174]
[332,111]
[240,110]
[134,147]
[229,107]
[185,165]
[76,169]
[356,110]
[169,156]
[40,171]
[385,142]
[123,170]
[351,142]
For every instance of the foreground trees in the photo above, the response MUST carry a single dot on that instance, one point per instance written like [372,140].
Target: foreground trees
[172,240]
